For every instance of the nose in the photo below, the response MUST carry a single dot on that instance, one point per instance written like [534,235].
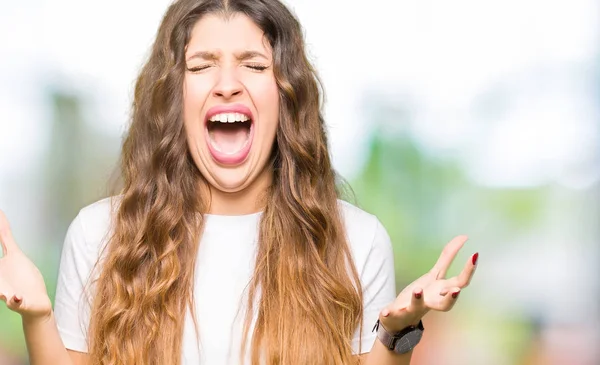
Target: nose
[228,85]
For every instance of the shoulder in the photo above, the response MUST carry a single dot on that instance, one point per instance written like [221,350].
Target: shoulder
[91,227]
[97,217]
[359,224]
[364,232]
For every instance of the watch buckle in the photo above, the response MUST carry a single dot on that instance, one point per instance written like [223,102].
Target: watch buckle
[392,343]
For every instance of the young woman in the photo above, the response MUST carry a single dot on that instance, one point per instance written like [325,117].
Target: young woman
[227,243]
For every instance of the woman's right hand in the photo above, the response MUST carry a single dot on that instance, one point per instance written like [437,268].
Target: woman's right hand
[22,286]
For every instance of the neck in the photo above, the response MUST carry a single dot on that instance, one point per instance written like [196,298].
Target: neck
[246,201]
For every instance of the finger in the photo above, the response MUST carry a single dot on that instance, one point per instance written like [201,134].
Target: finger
[448,298]
[417,302]
[15,302]
[416,305]
[6,238]
[448,254]
[6,297]
[410,313]
[464,278]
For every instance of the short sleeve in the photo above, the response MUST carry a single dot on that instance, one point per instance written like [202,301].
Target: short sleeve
[71,308]
[378,285]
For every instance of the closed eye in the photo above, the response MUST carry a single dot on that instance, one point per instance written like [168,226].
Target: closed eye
[254,67]
[257,67]
[198,68]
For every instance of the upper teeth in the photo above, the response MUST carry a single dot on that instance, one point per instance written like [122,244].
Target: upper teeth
[229,118]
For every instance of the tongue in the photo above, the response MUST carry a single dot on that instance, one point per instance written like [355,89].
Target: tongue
[230,137]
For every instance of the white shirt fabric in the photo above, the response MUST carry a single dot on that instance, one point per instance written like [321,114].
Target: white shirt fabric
[225,264]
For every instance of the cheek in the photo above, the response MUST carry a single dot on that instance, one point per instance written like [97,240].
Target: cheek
[195,94]
[266,97]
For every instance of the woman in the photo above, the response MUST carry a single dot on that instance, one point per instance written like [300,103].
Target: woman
[227,243]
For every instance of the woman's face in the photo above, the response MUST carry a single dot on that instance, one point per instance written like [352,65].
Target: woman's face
[231,102]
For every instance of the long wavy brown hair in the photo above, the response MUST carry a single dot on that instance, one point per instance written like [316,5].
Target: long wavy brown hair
[305,295]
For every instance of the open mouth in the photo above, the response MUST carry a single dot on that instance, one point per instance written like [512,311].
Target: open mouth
[230,135]
[229,132]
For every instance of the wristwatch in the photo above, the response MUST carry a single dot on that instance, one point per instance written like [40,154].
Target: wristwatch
[400,342]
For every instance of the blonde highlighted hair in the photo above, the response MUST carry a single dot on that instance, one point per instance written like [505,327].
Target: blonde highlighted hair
[305,289]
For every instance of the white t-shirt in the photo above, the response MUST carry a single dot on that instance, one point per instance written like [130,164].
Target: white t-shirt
[224,266]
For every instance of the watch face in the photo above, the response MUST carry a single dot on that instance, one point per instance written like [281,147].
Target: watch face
[408,341]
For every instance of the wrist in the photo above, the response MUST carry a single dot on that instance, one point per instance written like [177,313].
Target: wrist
[400,342]
[397,326]
[37,319]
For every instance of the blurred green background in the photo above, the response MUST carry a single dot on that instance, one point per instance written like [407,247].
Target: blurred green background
[470,118]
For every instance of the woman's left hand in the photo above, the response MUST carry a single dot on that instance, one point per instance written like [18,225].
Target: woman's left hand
[431,291]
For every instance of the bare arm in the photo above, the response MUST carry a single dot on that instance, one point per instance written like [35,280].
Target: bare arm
[382,356]
[44,344]
[78,358]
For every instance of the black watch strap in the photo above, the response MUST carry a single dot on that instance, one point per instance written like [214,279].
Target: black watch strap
[400,342]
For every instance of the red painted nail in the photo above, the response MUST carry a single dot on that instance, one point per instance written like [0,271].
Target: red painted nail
[17,300]
[418,295]
[475,257]
[455,294]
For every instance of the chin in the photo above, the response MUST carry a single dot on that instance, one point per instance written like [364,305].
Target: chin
[230,180]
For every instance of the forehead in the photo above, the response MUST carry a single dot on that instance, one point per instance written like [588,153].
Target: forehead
[214,32]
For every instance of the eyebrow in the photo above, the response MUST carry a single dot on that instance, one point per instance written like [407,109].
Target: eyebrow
[212,56]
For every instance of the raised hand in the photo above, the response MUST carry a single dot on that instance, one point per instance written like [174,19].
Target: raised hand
[22,286]
[431,291]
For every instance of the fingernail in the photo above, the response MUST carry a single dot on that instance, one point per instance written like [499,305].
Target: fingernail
[16,299]
[386,313]
[475,257]
[418,295]
[455,294]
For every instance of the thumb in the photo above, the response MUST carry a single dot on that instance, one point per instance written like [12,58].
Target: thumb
[6,237]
